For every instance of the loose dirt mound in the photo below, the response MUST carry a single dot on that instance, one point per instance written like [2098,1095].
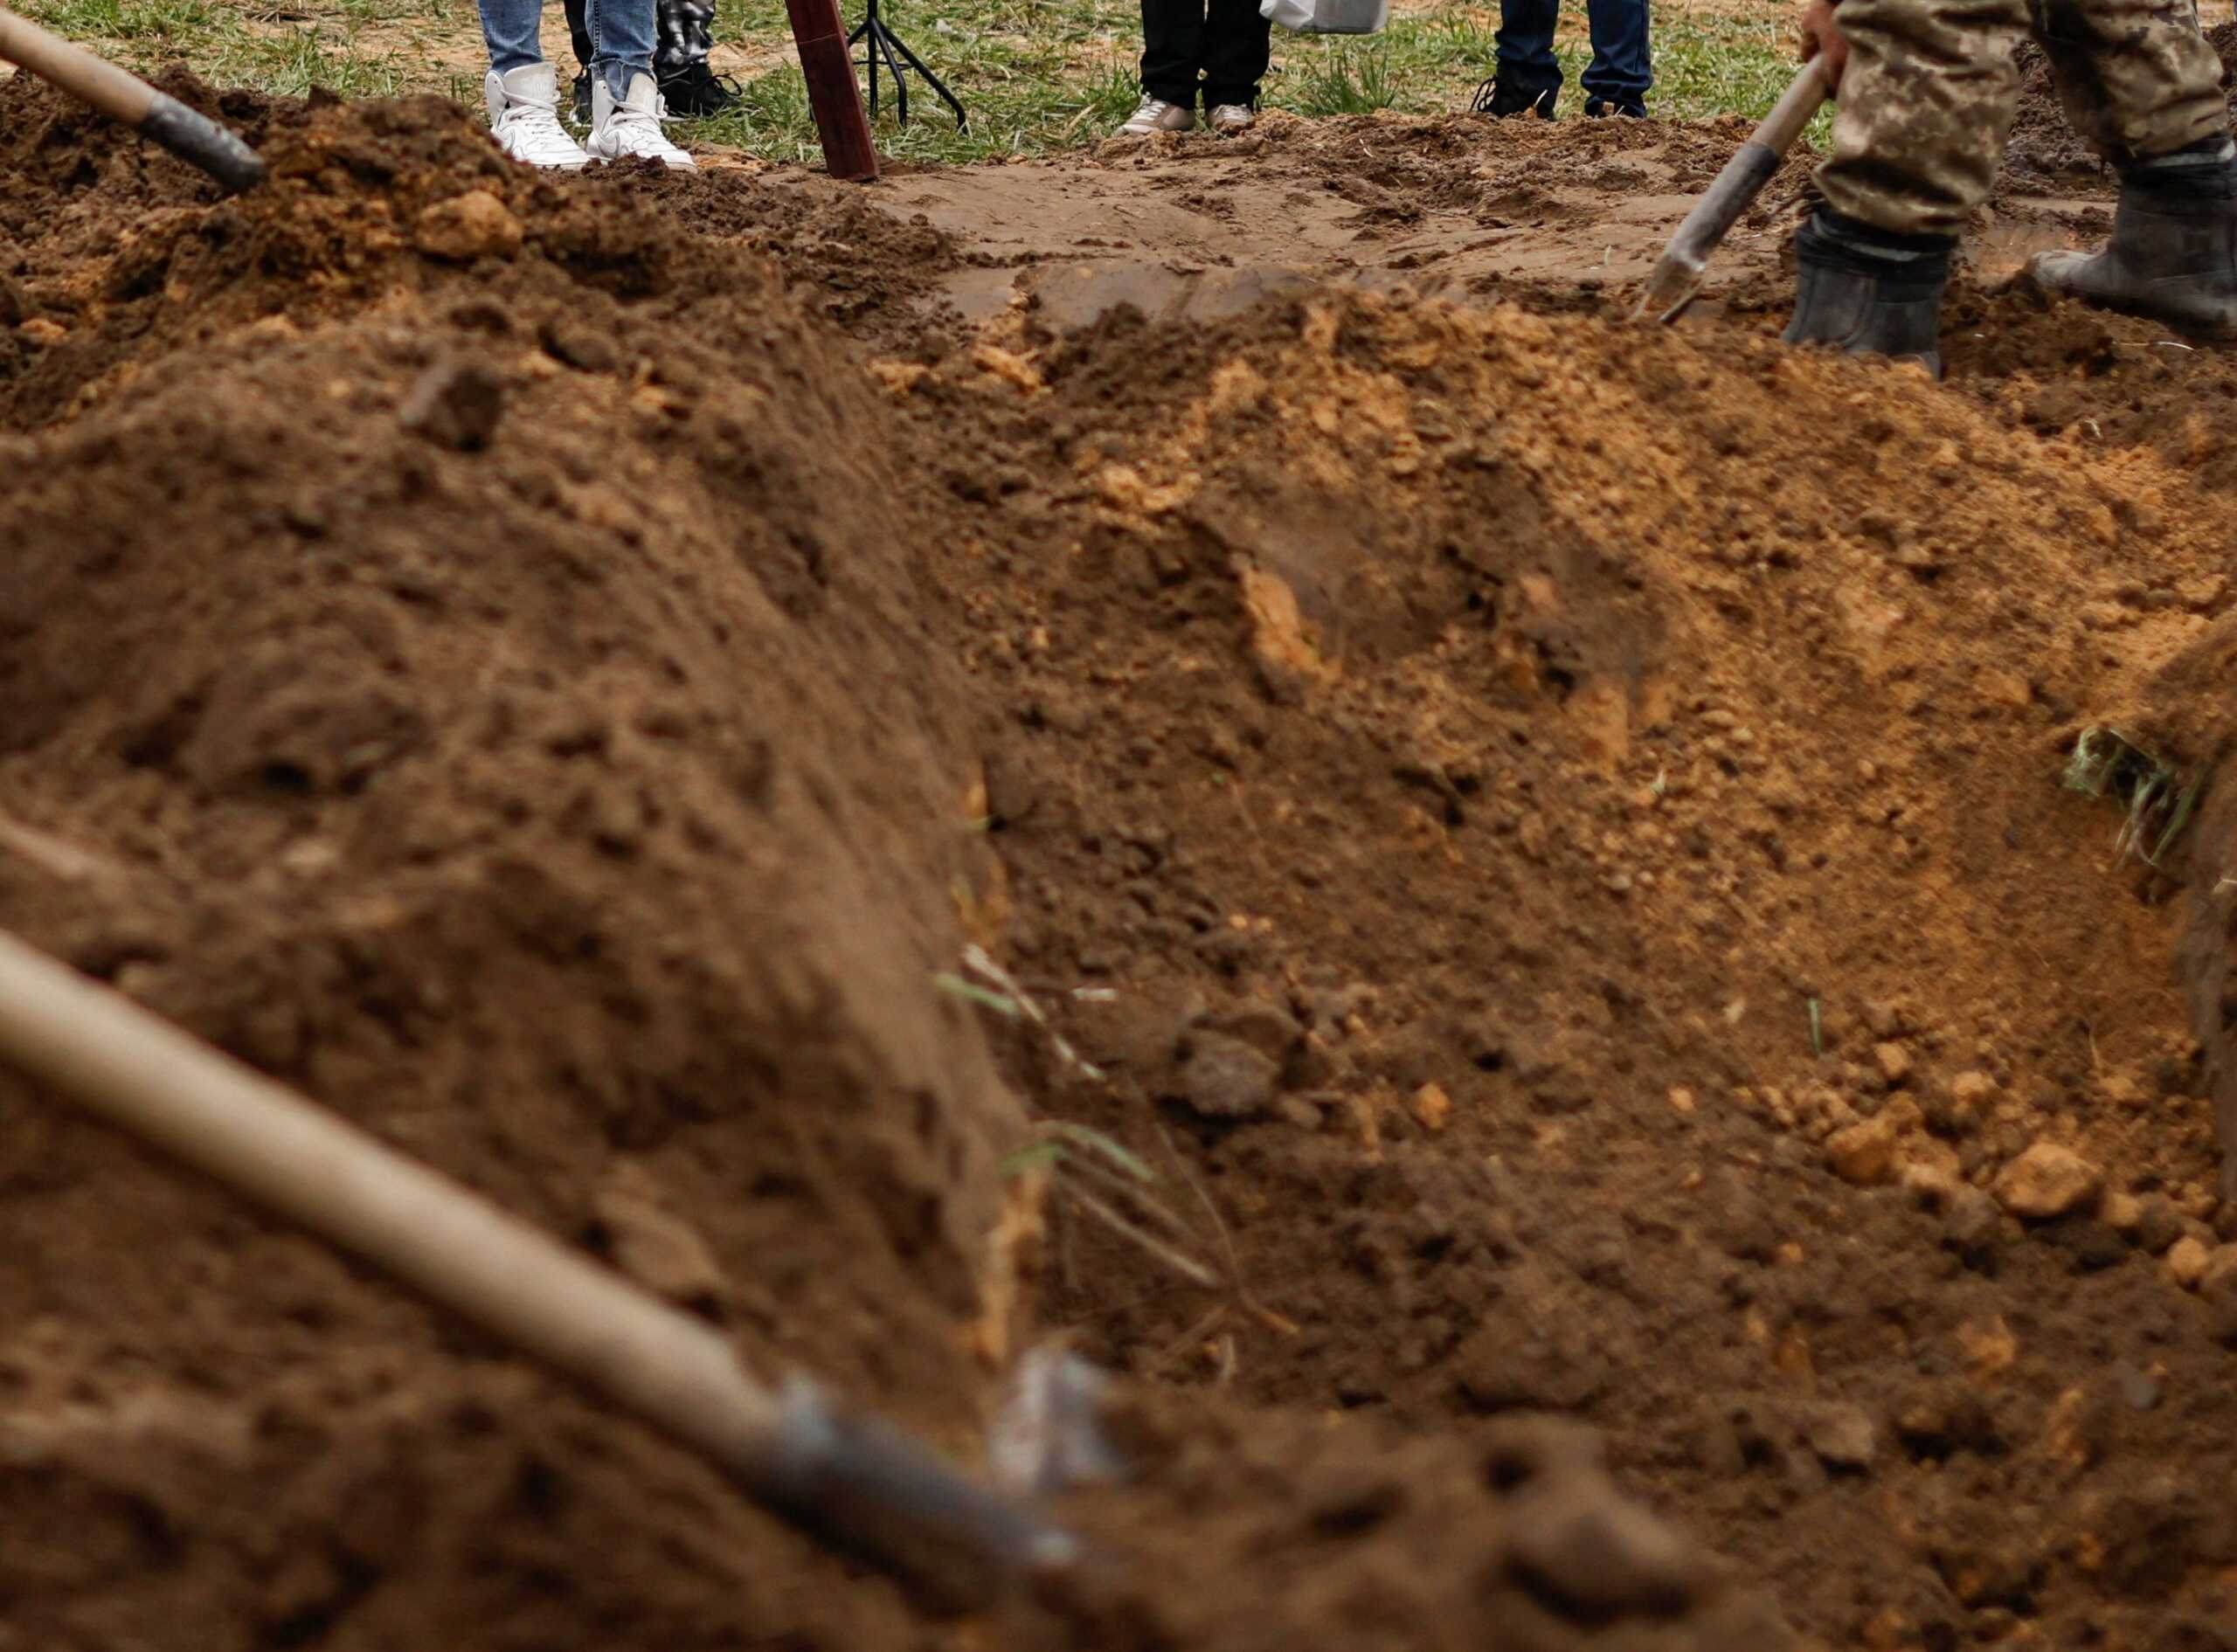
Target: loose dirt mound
[447,695]
[1547,831]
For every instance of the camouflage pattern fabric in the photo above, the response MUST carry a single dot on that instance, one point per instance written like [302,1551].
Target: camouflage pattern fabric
[687,34]
[1931,87]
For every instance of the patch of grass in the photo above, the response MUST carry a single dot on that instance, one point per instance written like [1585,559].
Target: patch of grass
[144,23]
[1356,80]
[291,65]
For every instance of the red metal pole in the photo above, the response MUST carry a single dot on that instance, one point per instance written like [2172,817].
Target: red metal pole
[828,67]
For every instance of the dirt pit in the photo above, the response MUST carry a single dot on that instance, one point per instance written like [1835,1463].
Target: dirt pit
[1644,1115]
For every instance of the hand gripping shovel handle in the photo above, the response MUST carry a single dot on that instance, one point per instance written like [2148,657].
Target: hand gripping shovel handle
[130,102]
[858,1485]
[1677,274]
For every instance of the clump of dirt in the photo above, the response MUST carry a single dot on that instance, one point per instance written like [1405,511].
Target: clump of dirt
[2095,379]
[1390,1541]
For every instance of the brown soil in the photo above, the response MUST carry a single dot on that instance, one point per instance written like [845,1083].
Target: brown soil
[1548,832]
[2043,152]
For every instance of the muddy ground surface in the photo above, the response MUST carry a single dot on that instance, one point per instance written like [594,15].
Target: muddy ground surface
[1669,1127]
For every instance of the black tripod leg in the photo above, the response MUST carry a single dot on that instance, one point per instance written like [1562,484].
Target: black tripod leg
[886,42]
[868,31]
[938,86]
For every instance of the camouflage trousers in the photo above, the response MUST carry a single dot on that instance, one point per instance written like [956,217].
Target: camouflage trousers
[1931,89]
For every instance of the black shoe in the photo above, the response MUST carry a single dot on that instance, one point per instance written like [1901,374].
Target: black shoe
[2173,251]
[1870,291]
[695,91]
[1600,108]
[1500,104]
[583,97]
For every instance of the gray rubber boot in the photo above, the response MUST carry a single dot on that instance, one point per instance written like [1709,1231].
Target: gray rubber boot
[2173,252]
[1870,293]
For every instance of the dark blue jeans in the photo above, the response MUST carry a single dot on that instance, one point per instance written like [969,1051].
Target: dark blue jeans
[1622,68]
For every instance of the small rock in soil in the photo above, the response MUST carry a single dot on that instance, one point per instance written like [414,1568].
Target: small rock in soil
[1964,1102]
[1580,1545]
[2187,1260]
[469,226]
[1225,1078]
[1893,1062]
[455,404]
[1266,1028]
[2091,1243]
[2159,1223]
[2047,1181]
[1973,1219]
[1843,1437]
[2220,1269]
[1864,1154]
[2140,1388]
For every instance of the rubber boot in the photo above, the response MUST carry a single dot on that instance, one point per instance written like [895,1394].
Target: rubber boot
[1870,291]
[2173,252]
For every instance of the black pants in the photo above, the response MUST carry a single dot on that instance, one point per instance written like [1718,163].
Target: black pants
[1224,43]
[685,36]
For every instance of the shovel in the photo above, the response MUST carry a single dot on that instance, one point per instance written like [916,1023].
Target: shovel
[852,1482]
[130,102]
[1676,277]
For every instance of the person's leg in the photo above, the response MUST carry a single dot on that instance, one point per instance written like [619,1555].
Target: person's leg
[2142,83]
[1173,50]
[514,30]
[522,90]
[2137,77]
[1623,66]
[625,98]
[1237,46]
[1527,69]
[578,29]
[685,31]
[621,35]
[686,40]
[1926,99]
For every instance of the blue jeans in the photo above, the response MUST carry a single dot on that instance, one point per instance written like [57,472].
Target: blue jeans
[1622,69]
[621,33]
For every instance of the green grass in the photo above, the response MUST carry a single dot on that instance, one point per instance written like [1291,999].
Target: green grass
[358,48]
[1036,75]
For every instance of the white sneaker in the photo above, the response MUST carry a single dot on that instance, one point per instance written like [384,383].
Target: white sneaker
[524,118]
[630,130]
[1157,115]
[1228,119]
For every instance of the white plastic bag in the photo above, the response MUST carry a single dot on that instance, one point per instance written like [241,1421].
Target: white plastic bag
[1328,17]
